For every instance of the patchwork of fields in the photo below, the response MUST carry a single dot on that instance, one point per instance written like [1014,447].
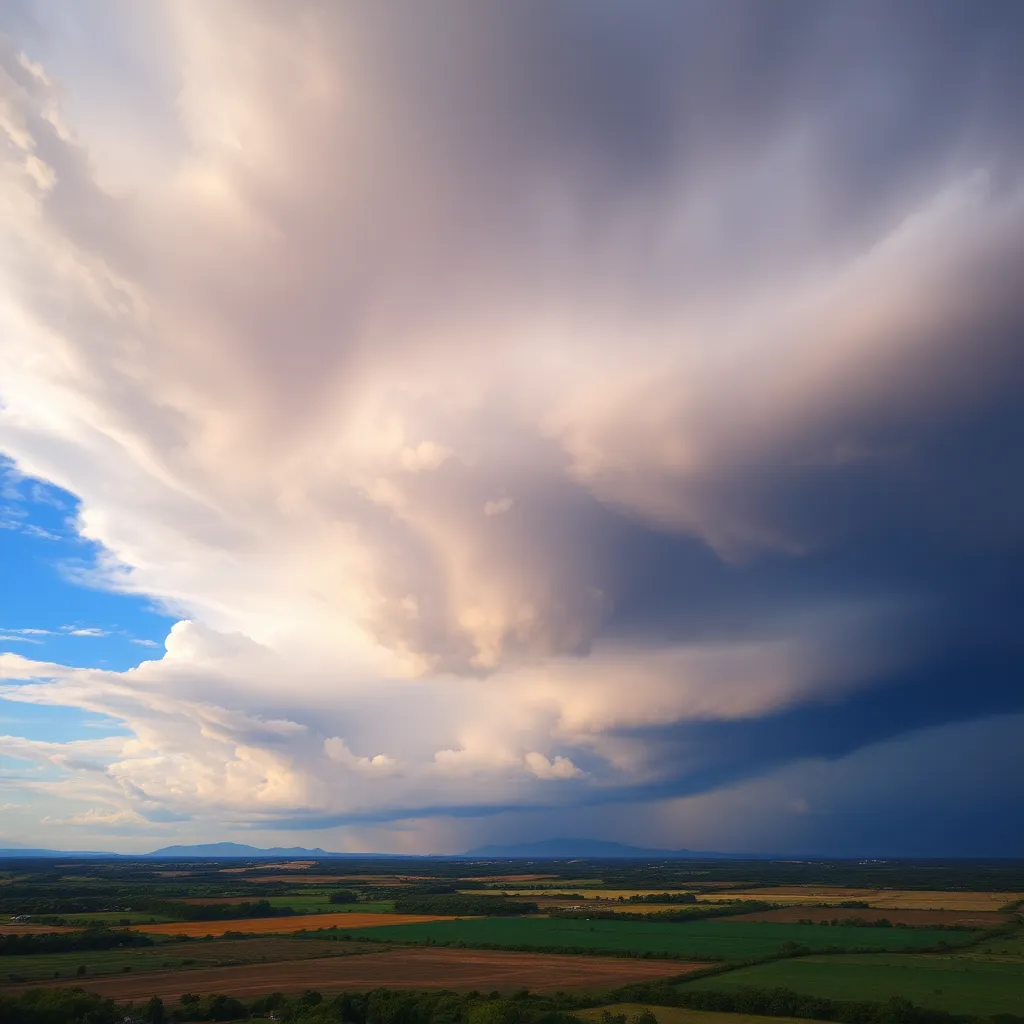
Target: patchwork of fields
[957,948]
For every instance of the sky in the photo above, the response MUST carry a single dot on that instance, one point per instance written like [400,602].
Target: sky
[434,424]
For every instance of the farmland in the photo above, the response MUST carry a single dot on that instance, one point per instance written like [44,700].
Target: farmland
[912,918]
[8,927]
[710,940]
[881,900]
[285,925]
[415,969]
[174,956]
[944,983]
[583,928]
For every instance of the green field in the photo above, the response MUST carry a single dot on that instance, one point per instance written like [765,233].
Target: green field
[168,956]
[957,984]
[708,939]
[676,1015]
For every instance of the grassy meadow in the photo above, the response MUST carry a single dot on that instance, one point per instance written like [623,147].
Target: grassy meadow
[942,983]
[719,939]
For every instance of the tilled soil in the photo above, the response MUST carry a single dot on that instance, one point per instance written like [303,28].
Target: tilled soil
[455,969]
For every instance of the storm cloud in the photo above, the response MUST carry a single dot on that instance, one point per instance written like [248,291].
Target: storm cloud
[521,406]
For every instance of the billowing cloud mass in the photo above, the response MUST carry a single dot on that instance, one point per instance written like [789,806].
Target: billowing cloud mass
[521,406]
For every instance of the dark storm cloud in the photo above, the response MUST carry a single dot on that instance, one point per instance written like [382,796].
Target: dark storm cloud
[647,377]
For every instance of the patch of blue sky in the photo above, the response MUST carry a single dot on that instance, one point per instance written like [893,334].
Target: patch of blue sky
[56,724]
[15,769]
[46,612]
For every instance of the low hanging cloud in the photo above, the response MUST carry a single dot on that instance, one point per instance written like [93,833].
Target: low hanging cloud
[507,430]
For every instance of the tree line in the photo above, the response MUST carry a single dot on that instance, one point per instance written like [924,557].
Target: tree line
[468,906]
[388,1006]
[70,942]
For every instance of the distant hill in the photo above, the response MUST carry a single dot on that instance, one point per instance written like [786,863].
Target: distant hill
[31,851]
[210,851]
[582,848]
[550,849]
[219,851]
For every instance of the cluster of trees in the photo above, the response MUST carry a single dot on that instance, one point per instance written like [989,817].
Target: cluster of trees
[400,892]
[469,906]
[386,1006]
[698,913]
[47,905]
[645,1016]
[218,911]
[70,942]
[882,922]
[782,1002]
[343,896]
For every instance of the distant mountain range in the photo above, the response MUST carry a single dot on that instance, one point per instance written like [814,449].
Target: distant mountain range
[207,851]
[216,851]
[29,851]
[549,849]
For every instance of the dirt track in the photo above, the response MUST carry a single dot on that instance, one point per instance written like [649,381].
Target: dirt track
[456,969]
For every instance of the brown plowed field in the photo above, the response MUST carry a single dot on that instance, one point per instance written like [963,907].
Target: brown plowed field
[285,925]
[31,929]
[913,900]
[456,969]
[972,919]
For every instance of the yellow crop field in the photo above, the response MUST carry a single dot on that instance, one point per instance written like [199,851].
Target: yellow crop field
[285,925]
[881,899]
[625,908]
[791,894]
[911,900]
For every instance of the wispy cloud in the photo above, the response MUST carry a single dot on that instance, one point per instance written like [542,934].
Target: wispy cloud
[33,530]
